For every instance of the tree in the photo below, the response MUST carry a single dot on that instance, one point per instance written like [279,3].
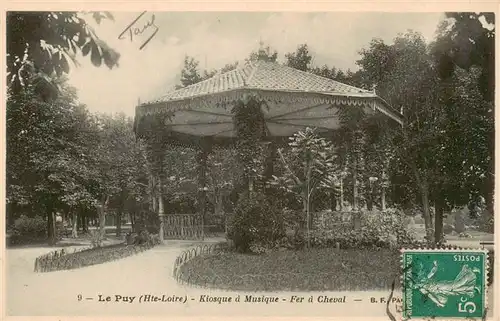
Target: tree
[431,144]
[300,59]
[466,41]
[325,71]
[308,165]
[404,76]
[120,166]
[190,74]
[128,171]
[49,155]
[42,44]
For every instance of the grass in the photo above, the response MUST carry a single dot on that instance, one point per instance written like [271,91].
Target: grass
[310,270]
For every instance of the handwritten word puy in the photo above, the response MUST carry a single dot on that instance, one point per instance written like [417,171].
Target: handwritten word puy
[136,28]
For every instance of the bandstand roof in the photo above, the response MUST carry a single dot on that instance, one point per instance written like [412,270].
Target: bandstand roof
[294,100]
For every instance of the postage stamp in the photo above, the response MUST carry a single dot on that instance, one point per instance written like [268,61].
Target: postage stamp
[258,159]
[444,283]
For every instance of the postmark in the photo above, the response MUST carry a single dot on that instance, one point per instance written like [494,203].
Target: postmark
[439,283]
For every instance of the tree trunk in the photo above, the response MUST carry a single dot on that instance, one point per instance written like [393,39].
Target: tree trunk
[119,222]
[427,213]
[341,207]
[307,198]
[219,209]
[306,212]
[355,187]
[74,221]
[382,199]
[102,215]
[438,219]
[79,221]
[85,221]
[270,160]
[51,228]
[369,202]
[154,205]
[424,192]
[132,219]
[152,194]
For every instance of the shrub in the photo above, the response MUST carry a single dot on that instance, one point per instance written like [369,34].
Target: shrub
[388,227]
[448,229]
[142,238]
[61,260]
[28,230]
[486,223]
[465,235]
[256,221]
[34,226]
[130,238]
[294,222]
[379,229]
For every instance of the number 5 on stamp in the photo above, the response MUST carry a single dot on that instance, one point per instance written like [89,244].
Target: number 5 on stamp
[444,283]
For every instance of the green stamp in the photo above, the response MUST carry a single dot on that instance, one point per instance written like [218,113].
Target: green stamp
[444,283]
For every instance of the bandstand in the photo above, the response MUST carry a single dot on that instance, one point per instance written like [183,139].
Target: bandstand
[202,116]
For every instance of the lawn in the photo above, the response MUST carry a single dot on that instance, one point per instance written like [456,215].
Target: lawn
[308,270]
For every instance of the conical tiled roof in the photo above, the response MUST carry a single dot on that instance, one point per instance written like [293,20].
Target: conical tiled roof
[261,75]
[291,100]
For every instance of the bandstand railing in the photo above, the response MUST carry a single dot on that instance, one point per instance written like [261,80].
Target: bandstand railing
[183,226]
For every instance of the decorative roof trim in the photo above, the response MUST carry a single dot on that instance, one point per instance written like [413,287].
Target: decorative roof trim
[227,97]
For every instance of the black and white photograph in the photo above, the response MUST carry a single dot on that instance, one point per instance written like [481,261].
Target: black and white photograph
[245,163]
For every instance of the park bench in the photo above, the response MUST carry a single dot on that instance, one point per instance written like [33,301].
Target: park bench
[484,243]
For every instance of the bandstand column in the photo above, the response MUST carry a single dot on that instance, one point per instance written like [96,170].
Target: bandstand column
[157,145]
[161,212]
[202,159]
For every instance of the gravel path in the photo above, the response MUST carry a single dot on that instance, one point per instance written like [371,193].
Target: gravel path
[56,293]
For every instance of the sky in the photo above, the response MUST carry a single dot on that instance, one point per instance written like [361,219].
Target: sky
[216,39]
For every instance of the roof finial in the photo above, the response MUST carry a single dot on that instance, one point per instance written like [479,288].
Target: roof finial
[138,100]
[263,53]
[374,87]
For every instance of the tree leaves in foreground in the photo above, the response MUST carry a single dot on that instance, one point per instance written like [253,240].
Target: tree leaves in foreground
[43,44]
